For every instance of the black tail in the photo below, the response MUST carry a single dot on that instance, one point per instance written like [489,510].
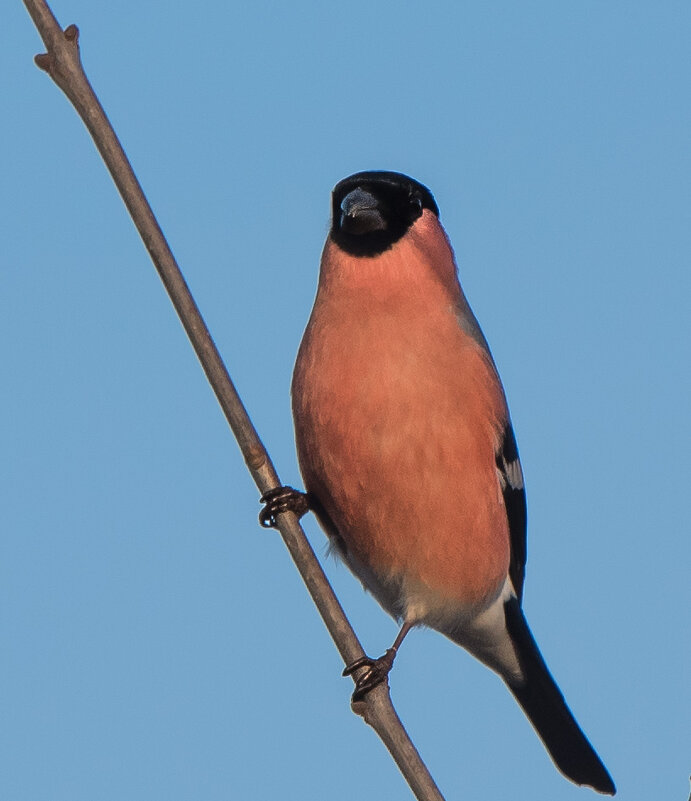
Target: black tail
[544,705]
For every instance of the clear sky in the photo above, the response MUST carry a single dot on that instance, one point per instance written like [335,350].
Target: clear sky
[155,643]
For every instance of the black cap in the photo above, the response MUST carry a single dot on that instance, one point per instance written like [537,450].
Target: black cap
[372,210]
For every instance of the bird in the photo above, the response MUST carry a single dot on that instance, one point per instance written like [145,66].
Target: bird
[408,454]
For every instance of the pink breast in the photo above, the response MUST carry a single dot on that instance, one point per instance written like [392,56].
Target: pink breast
[398,414]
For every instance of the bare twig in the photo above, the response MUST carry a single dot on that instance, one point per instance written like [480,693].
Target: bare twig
[63,63]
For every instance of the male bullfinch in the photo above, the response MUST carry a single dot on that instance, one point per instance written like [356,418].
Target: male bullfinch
[407,451]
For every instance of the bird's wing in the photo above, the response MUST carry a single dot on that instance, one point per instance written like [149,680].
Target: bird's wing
[511,479]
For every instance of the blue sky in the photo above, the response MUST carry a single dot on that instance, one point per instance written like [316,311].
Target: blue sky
[155,642]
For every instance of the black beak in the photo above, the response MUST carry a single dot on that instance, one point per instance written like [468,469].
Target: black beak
[361,213]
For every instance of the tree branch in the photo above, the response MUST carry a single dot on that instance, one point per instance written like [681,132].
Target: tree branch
[63,63]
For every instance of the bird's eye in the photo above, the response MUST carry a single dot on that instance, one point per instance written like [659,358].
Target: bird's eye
[414,207]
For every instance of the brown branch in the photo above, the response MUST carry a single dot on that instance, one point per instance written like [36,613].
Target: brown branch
[63,63]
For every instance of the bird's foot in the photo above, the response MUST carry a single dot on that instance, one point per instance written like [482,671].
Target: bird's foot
[376,673]
[282,499]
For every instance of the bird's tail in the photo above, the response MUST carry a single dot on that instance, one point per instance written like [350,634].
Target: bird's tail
[546,709]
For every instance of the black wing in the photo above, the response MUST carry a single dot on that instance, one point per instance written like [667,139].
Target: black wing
[511,478]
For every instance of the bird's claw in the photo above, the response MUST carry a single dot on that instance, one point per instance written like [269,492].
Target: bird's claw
[282,499]
[376,673]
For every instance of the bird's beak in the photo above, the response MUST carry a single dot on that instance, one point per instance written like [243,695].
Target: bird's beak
[361,213]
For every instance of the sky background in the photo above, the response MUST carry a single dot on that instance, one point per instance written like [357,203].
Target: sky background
[155,643]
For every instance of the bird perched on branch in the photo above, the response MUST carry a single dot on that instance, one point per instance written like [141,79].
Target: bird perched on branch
[407,450]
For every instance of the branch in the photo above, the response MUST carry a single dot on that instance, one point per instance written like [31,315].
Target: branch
[63,63]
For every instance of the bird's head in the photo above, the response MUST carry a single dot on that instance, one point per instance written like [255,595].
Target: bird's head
[373,210]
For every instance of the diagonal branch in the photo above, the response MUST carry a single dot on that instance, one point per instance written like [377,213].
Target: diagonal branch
[63,63]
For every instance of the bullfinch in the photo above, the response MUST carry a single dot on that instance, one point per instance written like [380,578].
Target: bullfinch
[407,451]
